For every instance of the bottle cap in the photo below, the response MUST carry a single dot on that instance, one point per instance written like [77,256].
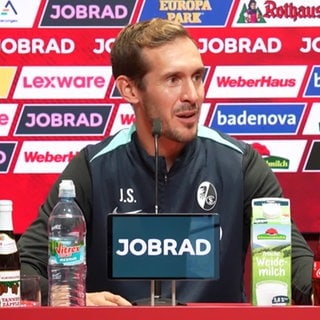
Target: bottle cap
[67,189]
[6,215]
[5,205]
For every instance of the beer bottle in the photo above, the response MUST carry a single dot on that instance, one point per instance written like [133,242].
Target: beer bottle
[316,276]
[9,259]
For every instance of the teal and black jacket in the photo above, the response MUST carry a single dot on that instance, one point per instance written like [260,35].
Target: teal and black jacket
[215,173]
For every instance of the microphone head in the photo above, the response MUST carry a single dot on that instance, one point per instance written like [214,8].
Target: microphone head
[156,127]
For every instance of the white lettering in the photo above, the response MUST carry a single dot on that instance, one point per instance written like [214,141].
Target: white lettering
[37,45]
[240,45]
[154,247]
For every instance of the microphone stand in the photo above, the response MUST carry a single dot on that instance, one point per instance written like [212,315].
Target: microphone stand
[156,298]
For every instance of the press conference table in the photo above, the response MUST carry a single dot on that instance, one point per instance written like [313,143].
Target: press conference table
[190,312]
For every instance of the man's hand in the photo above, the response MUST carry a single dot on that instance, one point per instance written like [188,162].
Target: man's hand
[105,298]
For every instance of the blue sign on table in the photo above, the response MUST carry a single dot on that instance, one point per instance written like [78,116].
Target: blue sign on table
[163,246]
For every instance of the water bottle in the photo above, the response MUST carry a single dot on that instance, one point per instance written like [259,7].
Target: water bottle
[67,250]
[9,259]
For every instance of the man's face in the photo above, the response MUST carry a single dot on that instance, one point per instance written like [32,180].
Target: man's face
[174,88]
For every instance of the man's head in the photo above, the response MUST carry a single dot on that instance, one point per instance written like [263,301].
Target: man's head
[127,51]
[158,69]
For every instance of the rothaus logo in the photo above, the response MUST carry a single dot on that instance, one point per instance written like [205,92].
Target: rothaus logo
[165,247]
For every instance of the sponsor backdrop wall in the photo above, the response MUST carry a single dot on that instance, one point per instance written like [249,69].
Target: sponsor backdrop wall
[57,93]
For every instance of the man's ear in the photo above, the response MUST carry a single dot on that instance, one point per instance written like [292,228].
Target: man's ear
[127,89]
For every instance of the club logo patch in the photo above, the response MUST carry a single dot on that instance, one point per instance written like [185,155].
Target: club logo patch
[207,196]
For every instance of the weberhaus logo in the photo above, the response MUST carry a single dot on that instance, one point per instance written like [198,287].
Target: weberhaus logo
[256,81]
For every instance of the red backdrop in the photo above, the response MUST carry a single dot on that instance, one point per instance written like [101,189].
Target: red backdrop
[57,93]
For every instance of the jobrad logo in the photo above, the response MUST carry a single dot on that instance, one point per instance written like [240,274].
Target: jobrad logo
[63,82]
[203,13]
[6,154]
[81,13]
[312,161]
[251,119]
[156,247]
[256,81]
[63,120]
[313,84]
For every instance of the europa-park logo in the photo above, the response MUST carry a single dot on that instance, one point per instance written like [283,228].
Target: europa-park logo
[274,162]
[271,13]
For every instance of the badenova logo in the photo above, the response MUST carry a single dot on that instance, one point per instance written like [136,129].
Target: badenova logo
[200,13]
[256,81]
[251,119]
[47,156]
[277,13]
[313,83]
[66,119]
[86,14]
[281,155]
[63,82]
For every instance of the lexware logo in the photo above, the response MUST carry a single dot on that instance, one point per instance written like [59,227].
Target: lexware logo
[18,13]
[64,82]
[47,156]
[259,81]
[277,13]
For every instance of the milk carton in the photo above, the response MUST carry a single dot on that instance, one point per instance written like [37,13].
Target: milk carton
[271,252]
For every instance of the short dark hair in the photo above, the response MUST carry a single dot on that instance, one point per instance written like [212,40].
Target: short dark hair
[126,52]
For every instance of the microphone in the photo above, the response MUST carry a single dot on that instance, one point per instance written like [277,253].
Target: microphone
[156,132]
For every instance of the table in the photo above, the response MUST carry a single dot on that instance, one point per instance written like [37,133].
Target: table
[190,312]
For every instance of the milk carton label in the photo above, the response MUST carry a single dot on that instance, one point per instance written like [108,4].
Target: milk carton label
[271,251]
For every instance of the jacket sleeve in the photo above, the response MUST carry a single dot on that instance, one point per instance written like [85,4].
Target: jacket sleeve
[33,243]
[260,181]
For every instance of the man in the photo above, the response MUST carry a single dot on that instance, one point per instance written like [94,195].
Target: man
[158,70]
